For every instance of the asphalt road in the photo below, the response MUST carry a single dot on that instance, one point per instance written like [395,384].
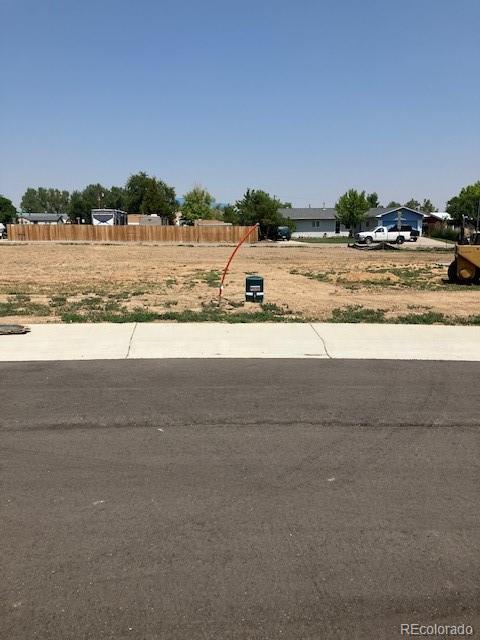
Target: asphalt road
[238,499]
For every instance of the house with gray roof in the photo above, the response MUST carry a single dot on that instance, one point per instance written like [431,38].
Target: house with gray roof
[321,222]
[42,218]
[314,222]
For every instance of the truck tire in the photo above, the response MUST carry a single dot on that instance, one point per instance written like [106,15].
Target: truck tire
[368,240]
[400,240]
[452,272]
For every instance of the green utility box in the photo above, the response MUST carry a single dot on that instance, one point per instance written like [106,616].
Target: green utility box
[254,289]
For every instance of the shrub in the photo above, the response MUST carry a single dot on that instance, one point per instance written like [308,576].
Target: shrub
[445,233]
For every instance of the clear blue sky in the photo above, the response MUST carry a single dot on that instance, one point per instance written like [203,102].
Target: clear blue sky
[303,98]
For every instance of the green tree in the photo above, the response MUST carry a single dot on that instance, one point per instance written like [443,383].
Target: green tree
[135,190]
[413,204]
[230,214]
[30,202]
[152,199]
[78,209]
[197,204]
[159,199]
[257,206]
[373,201]
[93,197]
[115,198]
[216,213]
[42,195]
[43,200]
[466,203]
[8,213]
[57,201]
[393,204]
[147,195]
[427,206]
[352,208]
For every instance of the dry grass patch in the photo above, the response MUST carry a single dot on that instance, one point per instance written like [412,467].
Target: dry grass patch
[65,282]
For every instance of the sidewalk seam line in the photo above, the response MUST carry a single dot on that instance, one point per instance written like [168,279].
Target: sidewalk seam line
[130,341]
[323,341]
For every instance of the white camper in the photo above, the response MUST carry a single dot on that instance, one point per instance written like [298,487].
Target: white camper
[108,217]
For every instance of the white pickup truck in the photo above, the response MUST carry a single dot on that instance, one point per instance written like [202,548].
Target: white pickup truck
[392,234]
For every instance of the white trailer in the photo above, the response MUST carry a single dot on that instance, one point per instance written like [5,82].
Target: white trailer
[108,217]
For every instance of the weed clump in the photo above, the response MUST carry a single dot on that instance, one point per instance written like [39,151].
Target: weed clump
[356,313]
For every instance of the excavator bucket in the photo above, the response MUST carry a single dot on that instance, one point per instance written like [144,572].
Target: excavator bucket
[465,269]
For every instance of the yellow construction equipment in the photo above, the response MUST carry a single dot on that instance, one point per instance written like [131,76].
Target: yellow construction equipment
[465,269]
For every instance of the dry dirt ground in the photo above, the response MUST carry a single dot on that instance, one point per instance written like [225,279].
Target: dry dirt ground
[75,282]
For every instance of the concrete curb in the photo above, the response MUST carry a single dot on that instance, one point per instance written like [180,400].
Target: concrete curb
[263,340]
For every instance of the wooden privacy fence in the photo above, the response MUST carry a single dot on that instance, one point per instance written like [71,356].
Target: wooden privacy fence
[127,233]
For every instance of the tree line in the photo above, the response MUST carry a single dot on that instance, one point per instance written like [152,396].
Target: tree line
[141,194]
[148,195]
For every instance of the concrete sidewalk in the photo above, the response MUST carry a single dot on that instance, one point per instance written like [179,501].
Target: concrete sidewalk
[218,340]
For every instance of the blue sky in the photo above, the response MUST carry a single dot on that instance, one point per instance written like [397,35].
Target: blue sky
[303,99]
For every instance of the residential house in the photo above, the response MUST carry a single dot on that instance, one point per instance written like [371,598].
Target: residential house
[312,222]
[435,221]
[42,218]
[138,219]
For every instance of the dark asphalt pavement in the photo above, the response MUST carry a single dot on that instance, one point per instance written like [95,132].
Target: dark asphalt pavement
[238,499]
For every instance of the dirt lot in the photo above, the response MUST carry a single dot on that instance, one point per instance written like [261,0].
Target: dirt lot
[72,283]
